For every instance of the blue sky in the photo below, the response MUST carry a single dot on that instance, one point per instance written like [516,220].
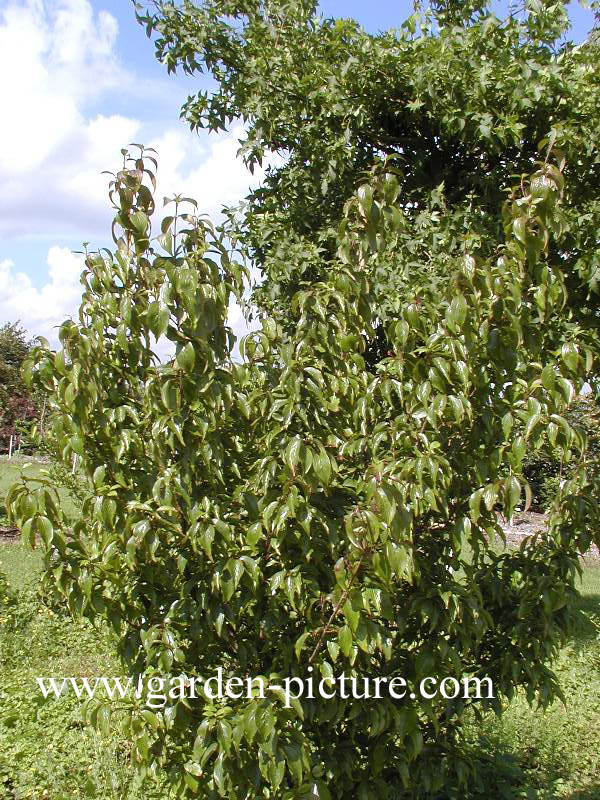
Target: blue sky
[83,83]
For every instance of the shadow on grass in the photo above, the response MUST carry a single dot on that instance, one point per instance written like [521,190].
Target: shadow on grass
[504,774]
[591,793]
[587,626]
[499,775]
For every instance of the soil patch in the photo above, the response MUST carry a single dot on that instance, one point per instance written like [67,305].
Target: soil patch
[9,534]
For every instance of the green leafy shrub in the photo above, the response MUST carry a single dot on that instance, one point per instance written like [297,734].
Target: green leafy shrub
[3,514]
[329,503]
[549,491]
[541,471]
[545,469]
[72,481]
[301,510]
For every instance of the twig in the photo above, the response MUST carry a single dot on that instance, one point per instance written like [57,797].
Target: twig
[335,611]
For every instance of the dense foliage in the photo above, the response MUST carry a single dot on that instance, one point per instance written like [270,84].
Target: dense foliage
[300,511]
[329,504]
[544,469]
[46,750]
[460,99]
[18,407]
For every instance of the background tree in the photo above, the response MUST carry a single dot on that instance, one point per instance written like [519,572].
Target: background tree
[19,408]
[460,98]
[545,469]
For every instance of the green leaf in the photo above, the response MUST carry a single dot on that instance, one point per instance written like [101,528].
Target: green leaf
[292,453]
[186,357]
[457,311]
[513,494]
[322,466]
[570,356]
[490,496]
[140,222]
[548,377]
[365,200]
[194,769]
[345,640]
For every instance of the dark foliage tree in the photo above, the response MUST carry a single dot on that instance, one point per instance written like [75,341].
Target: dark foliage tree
[19,408]
[459,98]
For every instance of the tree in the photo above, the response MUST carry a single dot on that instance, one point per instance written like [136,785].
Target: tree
[461,100]
[18,408]
[309,508]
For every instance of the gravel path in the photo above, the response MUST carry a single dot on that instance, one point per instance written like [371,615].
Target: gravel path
[527,523]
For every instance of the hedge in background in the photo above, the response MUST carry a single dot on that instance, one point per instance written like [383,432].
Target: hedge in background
[545,470]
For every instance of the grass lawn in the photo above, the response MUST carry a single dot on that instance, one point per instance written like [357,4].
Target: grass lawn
[17,563]
[45,749]
[9,473]
[553,754]
[46,752]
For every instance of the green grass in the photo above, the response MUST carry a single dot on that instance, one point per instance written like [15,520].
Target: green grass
[9,473]
[529,754]
[46,751]
[44,747]
[20,565]
[10,470]
[591,580]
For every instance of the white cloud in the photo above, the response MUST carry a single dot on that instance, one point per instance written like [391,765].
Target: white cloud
[218,179]
[53,56]
[60,59]
[56,56]
[41,310]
